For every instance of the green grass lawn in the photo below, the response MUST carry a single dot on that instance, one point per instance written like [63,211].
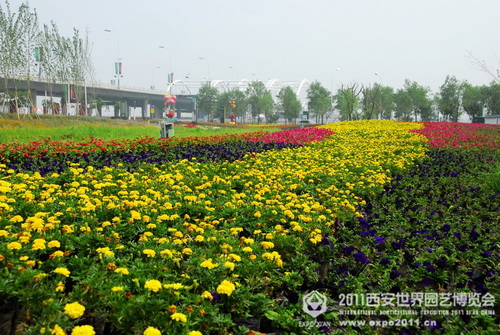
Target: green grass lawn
[74,128]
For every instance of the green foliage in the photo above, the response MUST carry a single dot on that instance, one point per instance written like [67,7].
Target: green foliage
[319,101]
[413,101]
[255,92]
[448,100]
[207,98]
[347,102]
[473,99]
[289,103]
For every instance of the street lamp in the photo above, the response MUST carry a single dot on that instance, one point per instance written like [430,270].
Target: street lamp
[118,63]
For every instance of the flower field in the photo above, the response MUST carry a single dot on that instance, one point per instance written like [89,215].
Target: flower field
[225,234]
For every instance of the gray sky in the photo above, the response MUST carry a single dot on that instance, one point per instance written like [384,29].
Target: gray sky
[333,41]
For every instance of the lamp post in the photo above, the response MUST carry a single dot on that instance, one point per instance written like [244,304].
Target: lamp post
[118,62]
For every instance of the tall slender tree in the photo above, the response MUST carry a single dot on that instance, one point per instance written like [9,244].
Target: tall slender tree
[289,104]
[319,101]
[473,99]
[449,99]
[347,101]
[207,99]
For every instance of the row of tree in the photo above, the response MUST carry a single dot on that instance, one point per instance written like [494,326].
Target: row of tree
[412,102]
[29,52]
[256,98]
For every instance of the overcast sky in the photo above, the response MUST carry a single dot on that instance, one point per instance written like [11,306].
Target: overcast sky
[332,41]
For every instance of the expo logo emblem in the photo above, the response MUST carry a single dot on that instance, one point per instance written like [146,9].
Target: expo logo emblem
[314,304]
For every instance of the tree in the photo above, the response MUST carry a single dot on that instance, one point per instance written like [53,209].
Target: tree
[492,98]
[413,99]
[347,101]
[238,97]
[319,101]
[255,92]
[206,99]
[473,99]
[289,103]
[18,38]
[267,107]
[385,102]
[448,99]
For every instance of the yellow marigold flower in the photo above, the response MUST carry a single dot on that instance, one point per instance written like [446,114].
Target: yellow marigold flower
[229,265]
[54,244]
[267,245]
[167,253]
[74,310]
[247,249]
[179,317]
[226,287]
[208,264]
[187,251]
[60,287]
[153,285]
[207,295]
[62,271]
[252,257]
[105,251]
[4,233]
[199,238]
[152,331]
[123,271]
[55,254]
[117,288]
[149,252]
[38,244]
[151,225]
[234,257]
[195,332]
[175,286]
[57,330]
[83,330]
[14,246]
[16,219]
[135,215]
[257,214]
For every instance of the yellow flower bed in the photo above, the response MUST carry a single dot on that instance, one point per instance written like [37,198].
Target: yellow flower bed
[228,228]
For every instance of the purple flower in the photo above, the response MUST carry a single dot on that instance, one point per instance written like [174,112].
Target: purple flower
[446,228]
[384,261]
[486,252]
[215,296]
[361,258]
[379,240]
[474,235]
[458,235]
[430,249]
[429,267]
[368,233]
[363,223]
[398,245]
[347,250]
